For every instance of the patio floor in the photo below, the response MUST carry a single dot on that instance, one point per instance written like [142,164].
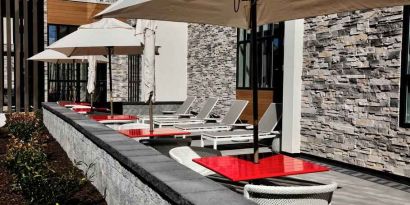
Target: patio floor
[354,187]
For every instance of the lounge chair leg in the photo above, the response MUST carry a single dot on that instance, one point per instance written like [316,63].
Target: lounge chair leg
[202,142]
[215,145]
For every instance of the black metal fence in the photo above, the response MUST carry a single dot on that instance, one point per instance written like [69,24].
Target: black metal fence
[134,70]
[21,36]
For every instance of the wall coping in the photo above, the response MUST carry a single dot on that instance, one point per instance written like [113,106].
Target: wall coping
[173,181]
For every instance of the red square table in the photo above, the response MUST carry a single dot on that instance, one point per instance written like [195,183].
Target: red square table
[242,168]
[88,110]
[113,118]
[158,132]
[72,104]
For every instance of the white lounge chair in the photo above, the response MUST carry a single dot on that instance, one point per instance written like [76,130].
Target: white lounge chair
[199,119]
[303,195]
[183,109]
[266,126]
[230,119]
[185,155]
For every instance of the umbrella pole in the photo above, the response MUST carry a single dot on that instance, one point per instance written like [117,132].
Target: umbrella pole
[91,95]
[110,73]
[254,74]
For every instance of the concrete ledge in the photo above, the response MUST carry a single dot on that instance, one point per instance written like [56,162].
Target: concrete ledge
[128,172]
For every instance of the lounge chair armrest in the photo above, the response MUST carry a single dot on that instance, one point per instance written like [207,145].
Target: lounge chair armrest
[240,126]
[168,112]
[185,115]
[211,120]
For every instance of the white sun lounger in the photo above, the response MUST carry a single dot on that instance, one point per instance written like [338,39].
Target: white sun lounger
[199,119]
[266,124]
[183,109]
[230,119]
[185,155]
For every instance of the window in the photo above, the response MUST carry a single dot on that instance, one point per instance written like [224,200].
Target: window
[134,69]
[56,32]
[270,56]
[5,31]
[69,81]
[405,72]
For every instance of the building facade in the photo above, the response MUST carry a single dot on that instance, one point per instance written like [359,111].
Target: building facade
[343,77]
[351,99]
[351,89]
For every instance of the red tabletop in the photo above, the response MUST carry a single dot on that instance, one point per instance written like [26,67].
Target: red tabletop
[158,132]
[241,168]
[112,117]
[64,103]
[87,110]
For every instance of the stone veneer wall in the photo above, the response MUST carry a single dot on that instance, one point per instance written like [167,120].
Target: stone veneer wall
[119,79]
[212,64]
[116,183]
[128,172]
[350,99]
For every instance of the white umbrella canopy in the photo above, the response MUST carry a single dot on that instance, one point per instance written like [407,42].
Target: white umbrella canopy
[222,12]
[247,14]
[52,56]
[94,38]
[92,66]
[105,37]
[146,29]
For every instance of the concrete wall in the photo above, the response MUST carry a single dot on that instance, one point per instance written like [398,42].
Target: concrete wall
[292,85]
[212,64]
[171,64]
[350,95]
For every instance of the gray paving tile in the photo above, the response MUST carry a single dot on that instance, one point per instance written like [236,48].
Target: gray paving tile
[176,175]
[195,185]
[225,197]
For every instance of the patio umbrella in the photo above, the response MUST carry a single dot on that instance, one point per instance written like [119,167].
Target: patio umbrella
[248,14]
[52,56]
[147,28]
[92,66]
[105,37]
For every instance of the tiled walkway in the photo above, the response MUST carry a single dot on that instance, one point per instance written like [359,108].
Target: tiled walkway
[355,188]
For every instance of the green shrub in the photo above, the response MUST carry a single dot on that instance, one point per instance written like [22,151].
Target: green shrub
[23,125]
[35,179]
[23,158]
[39,116]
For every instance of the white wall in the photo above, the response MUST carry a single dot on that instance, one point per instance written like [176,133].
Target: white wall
[292,86]
[171,64]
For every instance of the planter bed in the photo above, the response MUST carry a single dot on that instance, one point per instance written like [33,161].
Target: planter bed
[58,161]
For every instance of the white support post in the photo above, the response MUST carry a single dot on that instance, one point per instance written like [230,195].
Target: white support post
[292,86]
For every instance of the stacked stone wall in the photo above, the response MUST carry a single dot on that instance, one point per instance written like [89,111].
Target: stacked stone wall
[212,65]
[351,90]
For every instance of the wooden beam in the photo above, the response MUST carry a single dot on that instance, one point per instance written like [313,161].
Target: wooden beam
[26,53]
[72,13]
[2,58]
[9,74]
[17,54]
[35,51]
